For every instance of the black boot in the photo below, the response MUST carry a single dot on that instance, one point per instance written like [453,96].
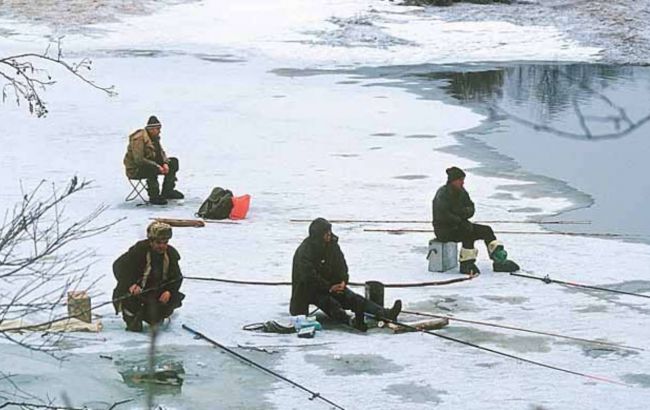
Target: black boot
[468,261]
[359,323]
[505,266]
[154,192]
[499,256]
[168,190]
[392,313]
[133,322]
[469,267]
[172,194]
[157,200]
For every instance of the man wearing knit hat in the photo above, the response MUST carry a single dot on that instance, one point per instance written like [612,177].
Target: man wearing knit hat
[148,279]
[146,158]
[452,209]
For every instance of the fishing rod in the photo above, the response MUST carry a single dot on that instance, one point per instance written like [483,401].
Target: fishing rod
[421,221]
[538,332]
[314,395]
[546,279]
[37,326]
[588,234]
[199,223]
[500,353]
[285,283]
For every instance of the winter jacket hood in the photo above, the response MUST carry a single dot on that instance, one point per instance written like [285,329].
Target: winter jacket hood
[317,265]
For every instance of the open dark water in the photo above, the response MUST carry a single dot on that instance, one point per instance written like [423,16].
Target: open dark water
[583,124]
[579,130]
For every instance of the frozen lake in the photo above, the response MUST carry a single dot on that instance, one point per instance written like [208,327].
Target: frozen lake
[337,110]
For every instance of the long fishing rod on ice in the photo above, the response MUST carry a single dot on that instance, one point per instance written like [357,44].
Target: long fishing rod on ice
[487,349]
[546,279]
[314,395]
[422,221]
[400,231]
[520,329]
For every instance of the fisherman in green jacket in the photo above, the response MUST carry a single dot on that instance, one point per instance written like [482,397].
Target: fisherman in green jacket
[452,209]
[146,159]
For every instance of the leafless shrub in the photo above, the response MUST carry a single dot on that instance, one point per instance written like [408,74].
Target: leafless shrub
[40,261]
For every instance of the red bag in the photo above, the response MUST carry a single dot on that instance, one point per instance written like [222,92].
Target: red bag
[240,205]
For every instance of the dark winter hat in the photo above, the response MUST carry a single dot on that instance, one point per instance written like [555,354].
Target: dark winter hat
[454,173]
[318,227]
[153,122]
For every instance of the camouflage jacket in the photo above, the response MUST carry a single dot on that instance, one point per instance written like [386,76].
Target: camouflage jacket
[141,151]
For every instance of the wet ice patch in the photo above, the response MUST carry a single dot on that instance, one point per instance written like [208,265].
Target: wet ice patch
[521,344]
[126,52]
[503,195]
[353,364]
[489,365]
[596,352]
[416,393]
[220,58]
[639,379]
[511,300]
[592,309]
[453,303]
[527,210]
[633,286]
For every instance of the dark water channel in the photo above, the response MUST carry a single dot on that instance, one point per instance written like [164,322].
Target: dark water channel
[580,131]
[586,125]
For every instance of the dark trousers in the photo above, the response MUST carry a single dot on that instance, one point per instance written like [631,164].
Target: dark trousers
[150,172]
[147,308]
[335,304]
[467,233]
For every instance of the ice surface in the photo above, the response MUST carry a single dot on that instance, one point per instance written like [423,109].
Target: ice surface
[307,146]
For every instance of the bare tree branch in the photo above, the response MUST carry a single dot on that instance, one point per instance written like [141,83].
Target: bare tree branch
[28,81]
[36,268]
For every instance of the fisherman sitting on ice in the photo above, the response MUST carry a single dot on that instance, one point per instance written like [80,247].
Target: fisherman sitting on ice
[146,159]
[148,279]
[452,209]
[320,277]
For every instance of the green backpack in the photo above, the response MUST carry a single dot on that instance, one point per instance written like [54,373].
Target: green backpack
[217,206]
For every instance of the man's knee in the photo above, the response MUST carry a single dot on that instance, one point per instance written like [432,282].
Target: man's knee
[331,307]
[483,232]
[173,164]
[147,171]
[131,308]
[351,300]
[155,312]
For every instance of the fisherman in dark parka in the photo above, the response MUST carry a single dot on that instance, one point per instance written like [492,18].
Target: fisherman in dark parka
[452,209]
[320,277]
[149,272]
